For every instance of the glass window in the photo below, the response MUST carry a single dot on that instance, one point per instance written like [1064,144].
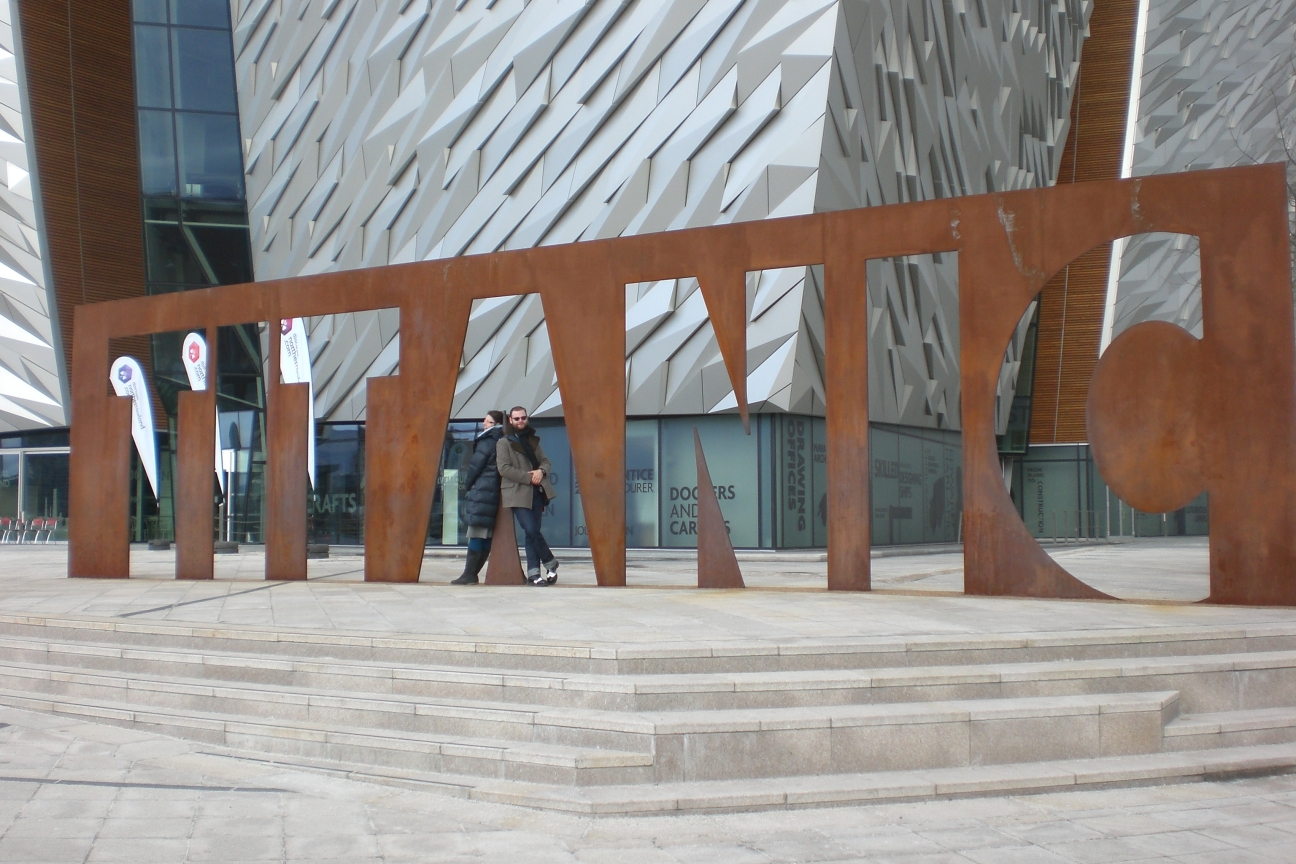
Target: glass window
[211,165]
[9,485]
[564,520]
[336,507]
[731,458]
[204,70]
[157,153]
[169,257]
[819,519]
[152,67]
[794,449]
[45,488]
[151,10]
[641,483]
[219,232]
[226,252]
[200,13]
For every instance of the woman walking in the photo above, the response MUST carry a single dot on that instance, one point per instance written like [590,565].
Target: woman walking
[482,481]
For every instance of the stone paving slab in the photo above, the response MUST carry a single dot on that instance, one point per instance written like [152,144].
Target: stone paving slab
[75,791]
[33,582]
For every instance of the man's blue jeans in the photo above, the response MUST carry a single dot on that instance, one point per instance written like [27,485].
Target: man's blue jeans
[537,549]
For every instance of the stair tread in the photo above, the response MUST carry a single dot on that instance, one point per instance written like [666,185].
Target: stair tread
[882,645]
[690,682]
[641,722]
[507,749]
[1232,721]
[836,789]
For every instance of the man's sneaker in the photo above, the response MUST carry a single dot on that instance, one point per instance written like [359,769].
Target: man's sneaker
[552,575]
[538,580]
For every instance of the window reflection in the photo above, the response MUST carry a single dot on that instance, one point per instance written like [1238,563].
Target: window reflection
[152,72]
[200,13]
[211,165]
[204,70]
[151,10]
[157,153]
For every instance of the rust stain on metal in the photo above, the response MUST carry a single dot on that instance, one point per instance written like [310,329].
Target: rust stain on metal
[1008,245]
[717,564]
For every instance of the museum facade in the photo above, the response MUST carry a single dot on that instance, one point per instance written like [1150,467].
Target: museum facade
[168,145]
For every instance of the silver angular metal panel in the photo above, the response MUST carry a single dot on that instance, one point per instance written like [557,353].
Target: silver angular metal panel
[31,395]
[383,131]
[1216,91]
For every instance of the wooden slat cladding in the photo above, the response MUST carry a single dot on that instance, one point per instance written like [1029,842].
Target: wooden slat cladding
[1071,304]
[80,83]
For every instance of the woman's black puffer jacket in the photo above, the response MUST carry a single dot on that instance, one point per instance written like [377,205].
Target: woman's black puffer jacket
[483,480]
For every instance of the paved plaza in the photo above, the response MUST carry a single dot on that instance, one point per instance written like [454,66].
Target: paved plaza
[72,790]
[915,594]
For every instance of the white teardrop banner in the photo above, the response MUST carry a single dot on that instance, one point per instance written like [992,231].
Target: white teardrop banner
[295,368]
[194,354]
[128,380]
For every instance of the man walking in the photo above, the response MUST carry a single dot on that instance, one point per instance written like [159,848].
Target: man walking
[524,486]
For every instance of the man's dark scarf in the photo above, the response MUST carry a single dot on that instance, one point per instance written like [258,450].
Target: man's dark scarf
[523,440]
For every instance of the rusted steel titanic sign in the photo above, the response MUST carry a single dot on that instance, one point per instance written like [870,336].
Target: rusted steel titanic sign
[1169,415]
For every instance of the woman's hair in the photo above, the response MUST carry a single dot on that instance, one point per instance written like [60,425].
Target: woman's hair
[497,416]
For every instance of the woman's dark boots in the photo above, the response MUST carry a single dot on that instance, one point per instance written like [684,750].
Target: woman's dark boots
[476,558]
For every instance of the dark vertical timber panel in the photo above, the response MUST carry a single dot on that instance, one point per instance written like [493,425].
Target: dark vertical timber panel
[80,82]
[1072,302]
[194,478]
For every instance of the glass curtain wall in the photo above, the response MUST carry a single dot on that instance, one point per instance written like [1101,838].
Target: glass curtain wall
[1062,497]
[196,232]
[772,485]
[33,485]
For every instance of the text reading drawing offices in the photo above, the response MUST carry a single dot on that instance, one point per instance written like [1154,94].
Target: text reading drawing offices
[1169,415]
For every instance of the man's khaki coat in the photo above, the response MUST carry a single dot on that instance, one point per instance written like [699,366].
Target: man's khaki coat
[515,471]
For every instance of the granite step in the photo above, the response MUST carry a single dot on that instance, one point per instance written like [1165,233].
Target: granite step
[382,751]
[837,790]
[686,745]
[1245,728]
[699,657]
[1206,683]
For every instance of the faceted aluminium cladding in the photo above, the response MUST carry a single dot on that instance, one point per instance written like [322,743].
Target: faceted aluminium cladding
[1218,89]
[31,396]
[383,131]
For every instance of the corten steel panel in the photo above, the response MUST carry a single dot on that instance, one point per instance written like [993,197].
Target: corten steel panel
[195,475]
[504,566]
[847,412]
[717,564]
[1072,302]
[99,500]
[286,479]
[99,510]
[1009,245]
[1170,415]
[81,88]
[407,417]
